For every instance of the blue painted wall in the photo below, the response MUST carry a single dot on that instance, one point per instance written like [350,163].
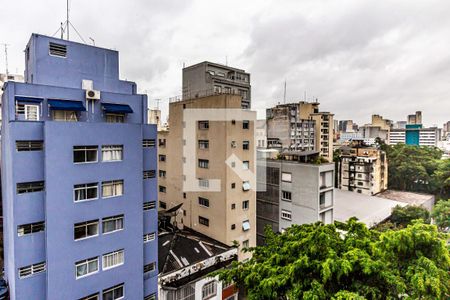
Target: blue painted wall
[55,77]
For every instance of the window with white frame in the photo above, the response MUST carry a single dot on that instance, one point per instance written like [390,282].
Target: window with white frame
[85,191]
[30,112]
[26,229]
[209,289]
[114,293]
[65,115]
[32,270]
[286,196]
[112,188]
[86,229]
[286,214]
[112,152]
[148,237]
[149,267]
[111,224]
[91,297]
[84,154]
[30,187]
[286,177]
[149,205]
[86,267]
[113,259]
[115,118]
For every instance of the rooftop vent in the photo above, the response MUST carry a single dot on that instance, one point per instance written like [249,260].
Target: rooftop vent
[58,49]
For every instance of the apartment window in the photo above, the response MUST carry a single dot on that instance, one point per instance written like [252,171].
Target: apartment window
[162,189]
[233,185]
[112,188]
[57,49]
[29,111]
[209,289]
[30,228]
[233,226]
[233,164]
[203,163]
[217,89]
[112,224]
[150,267]
[245,165]
[86,267]
[286,177]
[31,270]
[113,259]
[184,195]
[245,145]
[84,154]
[162,157]
[287,196]
[246,124]
[245,244]
[86,191]
[149,174]
[30,187]
[115,118]
[286,214]
[150,297]
[203,221]
[148,237]
[65,115]
[203,183]
[86,229]
[162,205]
[233,122]
[246,185]
[233,206]
[149,205]
[162,142]
[114,293]
[203,144]
[148,143]
[162,173]
[29,145]
[246,225]
[203,125]
[245,204]
[91,297]
[203,202]
[112,152]
[322,199]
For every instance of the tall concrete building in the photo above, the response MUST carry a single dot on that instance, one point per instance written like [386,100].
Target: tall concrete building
[261,134]
[4,78]
[378,128]
[415,134]
[363,170]
[415,119]
[78,178]
[207,164]
[207,78]
[293,190]
[300,127]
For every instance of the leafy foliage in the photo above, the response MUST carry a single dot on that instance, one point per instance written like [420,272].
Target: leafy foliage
[441,214]
[346,261]
[403,216]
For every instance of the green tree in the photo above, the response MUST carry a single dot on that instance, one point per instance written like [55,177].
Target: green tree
[403,216]
[345,261]
[441,214]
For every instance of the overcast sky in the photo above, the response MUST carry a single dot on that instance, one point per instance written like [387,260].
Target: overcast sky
[357,57]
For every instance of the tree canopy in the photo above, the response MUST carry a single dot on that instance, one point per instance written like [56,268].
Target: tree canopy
[441,214]
[403,216]
[346,261]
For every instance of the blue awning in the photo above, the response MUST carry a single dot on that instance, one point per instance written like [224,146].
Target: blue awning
[28,99]
[66,105]
[117,108]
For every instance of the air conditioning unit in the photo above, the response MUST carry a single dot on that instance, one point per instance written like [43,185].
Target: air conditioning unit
[92,95]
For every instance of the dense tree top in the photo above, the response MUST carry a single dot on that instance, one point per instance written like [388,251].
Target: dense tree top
[346,261]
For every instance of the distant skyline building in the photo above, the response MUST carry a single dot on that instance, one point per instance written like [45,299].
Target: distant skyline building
[415,119]
[415,134]
[78,178]
[378,128]
[293,190]
[208,78]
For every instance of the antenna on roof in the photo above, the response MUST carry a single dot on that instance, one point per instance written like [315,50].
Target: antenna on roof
[67,19]
[157,103]
[284,95]
[6,58]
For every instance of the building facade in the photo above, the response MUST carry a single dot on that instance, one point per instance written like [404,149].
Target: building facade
[363,170]
[292,191]
[207,164]
[78,178]
[378,128]
[8,77]
[261,134]
[415,134]
[207,78]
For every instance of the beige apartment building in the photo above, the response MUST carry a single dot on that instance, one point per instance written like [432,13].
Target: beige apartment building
[324,128]
[207,164]
[363,170]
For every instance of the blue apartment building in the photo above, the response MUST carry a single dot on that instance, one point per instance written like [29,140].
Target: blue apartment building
[78,178]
